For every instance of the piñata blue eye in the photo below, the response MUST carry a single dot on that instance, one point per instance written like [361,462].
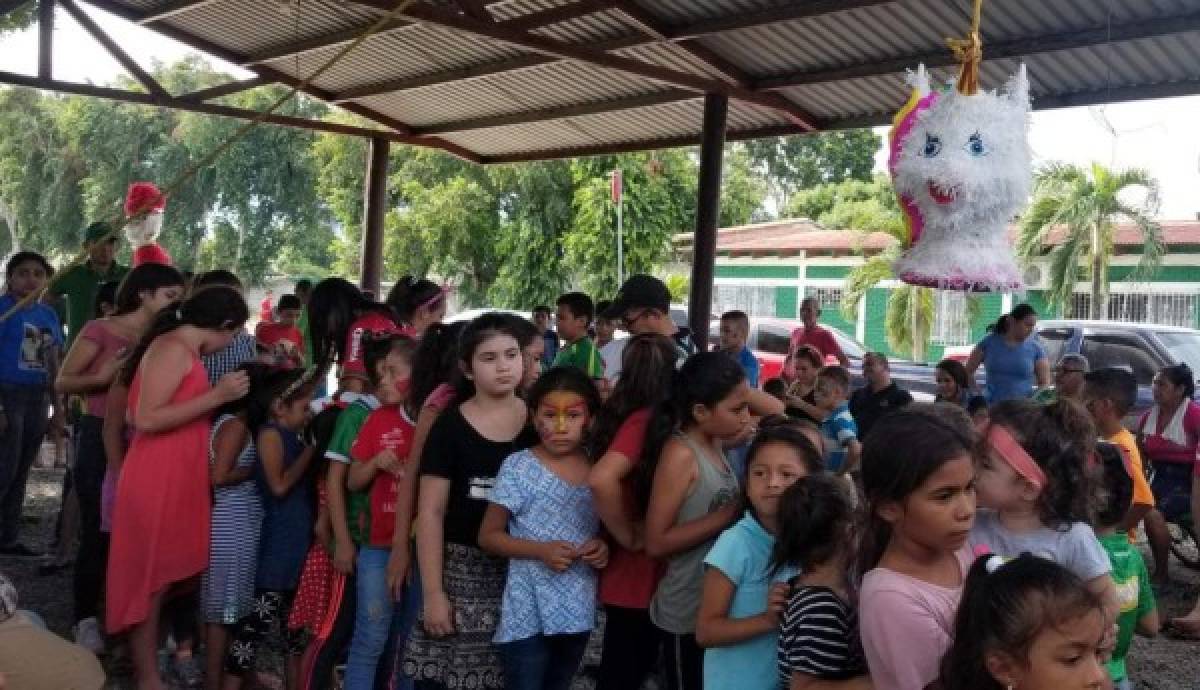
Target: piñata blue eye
[933,146]
[975,145]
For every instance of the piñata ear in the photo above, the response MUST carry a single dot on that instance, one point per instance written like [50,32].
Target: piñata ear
[1017,89]
[919,81]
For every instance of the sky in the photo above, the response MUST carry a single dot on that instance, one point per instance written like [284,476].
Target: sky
[1159,135]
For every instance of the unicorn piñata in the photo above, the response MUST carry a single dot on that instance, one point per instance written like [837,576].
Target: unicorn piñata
[961,167]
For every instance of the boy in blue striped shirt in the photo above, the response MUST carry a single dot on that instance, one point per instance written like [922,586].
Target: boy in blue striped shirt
[838,430]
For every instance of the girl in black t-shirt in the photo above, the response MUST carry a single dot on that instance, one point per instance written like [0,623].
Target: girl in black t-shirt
[458,467]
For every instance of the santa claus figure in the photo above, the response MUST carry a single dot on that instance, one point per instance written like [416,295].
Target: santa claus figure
[144,206]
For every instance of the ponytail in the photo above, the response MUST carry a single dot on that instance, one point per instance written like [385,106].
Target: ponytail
[217,308]
[1018,313]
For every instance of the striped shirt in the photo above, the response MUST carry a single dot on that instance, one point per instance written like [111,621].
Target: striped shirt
[239,350]
[819,637]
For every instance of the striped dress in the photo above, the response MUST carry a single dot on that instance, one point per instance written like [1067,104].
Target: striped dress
[227,590]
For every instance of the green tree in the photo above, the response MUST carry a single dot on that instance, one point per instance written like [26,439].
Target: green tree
[18,18]
[534,215]
[743,189]
[797,162]
[1081,208]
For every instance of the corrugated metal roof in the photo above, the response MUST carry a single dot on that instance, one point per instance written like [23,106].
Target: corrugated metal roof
[448,71]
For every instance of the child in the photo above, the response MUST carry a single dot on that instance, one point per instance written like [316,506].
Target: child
[541,318]
[380,464]
[919,482]
[818,640]
[575,312]
[163,505]
[838,430]
[280,341]
[339,316]
[541,518]
[693,499]
[1135,597]
[227,588]
[605,327]
[735,330]
[1108,395]
[743,596]
[26,374]
[1033,482]
[418,302]
[1025,623]
[241,348]
[462,586]
[278,412]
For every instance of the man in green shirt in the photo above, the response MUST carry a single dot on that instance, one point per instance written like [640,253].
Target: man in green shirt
[575,312]
[79,283]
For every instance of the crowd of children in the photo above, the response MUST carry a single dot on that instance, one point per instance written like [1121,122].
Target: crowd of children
[458,512]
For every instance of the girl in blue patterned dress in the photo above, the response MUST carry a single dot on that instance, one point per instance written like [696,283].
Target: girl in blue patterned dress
[227,588]
[541,518]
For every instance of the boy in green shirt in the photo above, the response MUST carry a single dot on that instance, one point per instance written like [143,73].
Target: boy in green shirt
[575,312]
[1138,611]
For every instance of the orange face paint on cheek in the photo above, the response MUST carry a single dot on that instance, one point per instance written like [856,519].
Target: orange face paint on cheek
[555,410]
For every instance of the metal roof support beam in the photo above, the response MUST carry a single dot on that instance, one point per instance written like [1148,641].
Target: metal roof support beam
[432,15]
[226,89]
[142,76]
[173,8]
[577,110]
[476,9]
[556,15]
[46,39]
[374,215]
[655,28]
[274,75]
[708,206]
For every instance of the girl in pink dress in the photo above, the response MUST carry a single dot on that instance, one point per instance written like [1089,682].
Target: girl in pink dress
[163,505]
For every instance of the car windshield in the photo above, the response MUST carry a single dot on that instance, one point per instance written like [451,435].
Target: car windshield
[1184,347]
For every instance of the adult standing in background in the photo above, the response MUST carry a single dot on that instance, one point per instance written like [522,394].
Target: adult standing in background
[816,335]
[1068,380]
[1011,356]
[78,284]
[880,396]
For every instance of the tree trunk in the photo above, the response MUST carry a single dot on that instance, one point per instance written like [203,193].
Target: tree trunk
[1099,308]
[915,330]
[9,216]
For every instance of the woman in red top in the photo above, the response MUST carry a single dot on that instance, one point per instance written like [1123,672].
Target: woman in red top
[631,641]
[161,519]
[339,315]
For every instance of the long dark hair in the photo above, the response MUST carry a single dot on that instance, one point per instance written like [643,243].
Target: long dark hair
[903,450]
[473,335]
[256,373]
[647,374]
[145,278]
[275,384]
[1005,610]
[333,306]
[1018,313]
[706,378]
[409,293]
[436,360]
[213,308]
[957,373]
[814,516]
[1060,438]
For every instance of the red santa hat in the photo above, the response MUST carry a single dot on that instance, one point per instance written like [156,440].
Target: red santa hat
[144,197]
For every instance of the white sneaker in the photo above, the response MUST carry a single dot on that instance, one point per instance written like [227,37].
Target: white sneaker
[87,635]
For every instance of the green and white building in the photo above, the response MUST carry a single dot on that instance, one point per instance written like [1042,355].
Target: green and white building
[765,270]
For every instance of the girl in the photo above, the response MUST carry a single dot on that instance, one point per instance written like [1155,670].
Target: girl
[1026,623]
[1032,478]
[919,483]
[1012,356]
[89,369]
[627,584]
[462,585]
[541,518]
[693,498]
[339,316]
[953,386]
[818,642]
[801,395]
[26,370]
[743,596]
[163,504]
[419,303]
[227,588]
[277,413]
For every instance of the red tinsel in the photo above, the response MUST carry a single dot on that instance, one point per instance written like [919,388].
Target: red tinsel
[143,196]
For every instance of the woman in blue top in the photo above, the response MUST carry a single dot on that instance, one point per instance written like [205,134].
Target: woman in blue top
[30,338]
[1013,359]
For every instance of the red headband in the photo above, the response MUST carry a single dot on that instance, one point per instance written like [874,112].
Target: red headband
[1001,440]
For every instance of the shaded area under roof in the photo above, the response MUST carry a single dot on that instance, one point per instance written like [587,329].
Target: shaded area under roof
[530,79]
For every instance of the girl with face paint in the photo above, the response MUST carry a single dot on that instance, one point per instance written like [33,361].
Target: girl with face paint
[541,518]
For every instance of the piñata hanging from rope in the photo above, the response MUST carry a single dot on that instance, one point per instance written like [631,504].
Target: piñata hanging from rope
[144,205]
[960,163]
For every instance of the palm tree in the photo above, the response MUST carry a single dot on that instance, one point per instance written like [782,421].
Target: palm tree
[1084,206]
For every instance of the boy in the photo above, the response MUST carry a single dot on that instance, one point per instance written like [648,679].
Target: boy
[281,343]
[1108,395]
[575,312]
[541,319]
[643,305]
[735,330]
[379,457]
[839,433]
[1134,594]
[605,327]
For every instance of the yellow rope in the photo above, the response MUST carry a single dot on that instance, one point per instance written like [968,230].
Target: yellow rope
[120,221]
[969,53]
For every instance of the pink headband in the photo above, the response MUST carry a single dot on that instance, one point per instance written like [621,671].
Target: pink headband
[1002,441]
[433,300]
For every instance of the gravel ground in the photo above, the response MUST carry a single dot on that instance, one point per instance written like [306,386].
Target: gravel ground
[1158,664]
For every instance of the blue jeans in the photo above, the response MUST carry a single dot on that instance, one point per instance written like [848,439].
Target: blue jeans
[25,409]
[542,662]
[379,621]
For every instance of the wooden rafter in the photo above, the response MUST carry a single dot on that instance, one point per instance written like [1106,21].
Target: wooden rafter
[142,76]
[46,39]
[476,9]
[172,8]
[226,89]
[655,28]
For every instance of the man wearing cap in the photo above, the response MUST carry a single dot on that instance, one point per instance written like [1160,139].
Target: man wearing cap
[79,283]
[642,305]
[816,335]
